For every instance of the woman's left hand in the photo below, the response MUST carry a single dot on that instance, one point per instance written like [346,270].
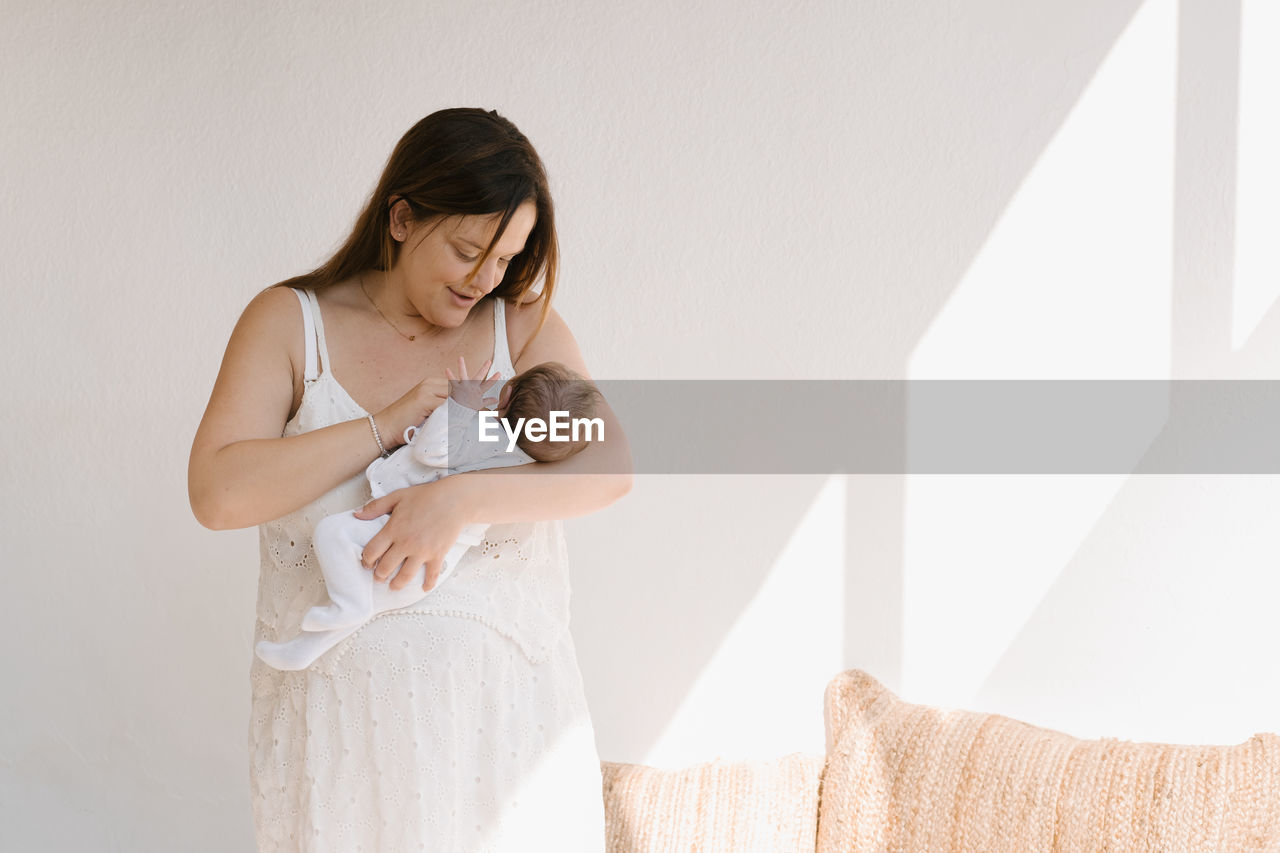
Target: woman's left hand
[425,522]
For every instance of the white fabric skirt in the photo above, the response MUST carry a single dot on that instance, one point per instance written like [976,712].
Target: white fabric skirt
[425,732]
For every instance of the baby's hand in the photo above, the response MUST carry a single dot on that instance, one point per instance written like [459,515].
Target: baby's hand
[469,390]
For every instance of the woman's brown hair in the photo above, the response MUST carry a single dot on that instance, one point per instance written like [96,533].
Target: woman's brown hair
[455,162]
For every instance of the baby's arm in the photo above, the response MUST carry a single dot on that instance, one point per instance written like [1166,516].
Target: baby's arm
[445,433]
[430,445]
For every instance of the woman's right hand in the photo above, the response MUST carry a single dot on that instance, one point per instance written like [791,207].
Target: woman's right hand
[410,410]
[423,399]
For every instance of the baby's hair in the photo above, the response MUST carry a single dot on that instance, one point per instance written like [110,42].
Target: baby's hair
[545,388]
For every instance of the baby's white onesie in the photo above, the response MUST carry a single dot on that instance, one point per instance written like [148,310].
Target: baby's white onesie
[447,443]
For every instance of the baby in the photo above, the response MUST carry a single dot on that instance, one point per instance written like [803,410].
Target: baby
[448,442]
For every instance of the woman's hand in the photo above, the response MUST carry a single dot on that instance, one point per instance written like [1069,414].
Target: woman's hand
[410,410]
[425,522]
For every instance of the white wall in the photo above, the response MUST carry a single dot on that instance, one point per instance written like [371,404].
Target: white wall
[828,190]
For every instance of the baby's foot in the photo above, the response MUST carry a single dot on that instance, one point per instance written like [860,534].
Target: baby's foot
[302,650]
[326,617]
[285,656]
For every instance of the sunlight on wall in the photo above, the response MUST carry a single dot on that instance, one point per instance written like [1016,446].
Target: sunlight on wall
[1074,282]
[995,546]
[1157,637]
[760,696]
[1257,258]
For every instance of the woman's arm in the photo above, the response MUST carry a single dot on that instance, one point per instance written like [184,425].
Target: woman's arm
[585,482]
[242,472]
[427,519]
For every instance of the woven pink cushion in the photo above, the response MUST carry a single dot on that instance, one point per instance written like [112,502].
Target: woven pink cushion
[716,807]
[903,777]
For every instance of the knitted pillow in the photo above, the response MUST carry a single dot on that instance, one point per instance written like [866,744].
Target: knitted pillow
[903,777]
[717,806]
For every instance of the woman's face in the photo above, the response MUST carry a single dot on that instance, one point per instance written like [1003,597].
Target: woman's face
[435,261]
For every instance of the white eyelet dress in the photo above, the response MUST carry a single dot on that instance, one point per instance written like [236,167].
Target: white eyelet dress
[457,724]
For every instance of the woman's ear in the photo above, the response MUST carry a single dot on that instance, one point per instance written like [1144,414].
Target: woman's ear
[401,215]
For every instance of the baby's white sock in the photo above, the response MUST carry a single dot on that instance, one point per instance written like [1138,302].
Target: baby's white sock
[302,650]
[327,617]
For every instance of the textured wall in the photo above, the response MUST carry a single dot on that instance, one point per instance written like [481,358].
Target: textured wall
[822,190]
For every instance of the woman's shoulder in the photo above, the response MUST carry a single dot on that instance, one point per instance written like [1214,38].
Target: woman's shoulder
[534,340]
[272,325]
[523,319]
[274,314]
[274,305]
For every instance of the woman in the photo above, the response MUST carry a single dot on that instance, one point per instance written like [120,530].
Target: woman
[459,723]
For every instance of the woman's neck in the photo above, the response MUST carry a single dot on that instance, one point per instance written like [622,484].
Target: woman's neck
[389,302]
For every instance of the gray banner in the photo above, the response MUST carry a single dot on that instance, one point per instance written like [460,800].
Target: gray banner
[949,427]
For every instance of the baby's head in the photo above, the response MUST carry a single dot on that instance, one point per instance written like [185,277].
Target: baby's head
[539,391]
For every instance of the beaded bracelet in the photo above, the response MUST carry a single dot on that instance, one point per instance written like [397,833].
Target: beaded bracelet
[374,425]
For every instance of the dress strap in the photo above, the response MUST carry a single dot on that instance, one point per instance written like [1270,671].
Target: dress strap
[308,335]
[319,321]
[501,350]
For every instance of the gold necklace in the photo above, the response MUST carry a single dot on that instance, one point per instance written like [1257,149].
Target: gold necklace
[380,314]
